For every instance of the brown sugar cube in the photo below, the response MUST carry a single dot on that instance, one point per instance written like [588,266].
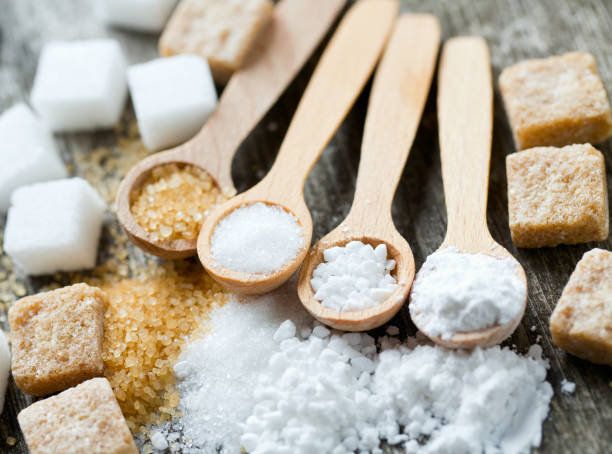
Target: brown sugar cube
[582,320]
[556,101]
[557,196]
[222,31]
[57,338]
[83,419]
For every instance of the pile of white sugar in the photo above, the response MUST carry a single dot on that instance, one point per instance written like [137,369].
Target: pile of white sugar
[354,277]
[274,385]
[216,374]
[456,292]
[256,238]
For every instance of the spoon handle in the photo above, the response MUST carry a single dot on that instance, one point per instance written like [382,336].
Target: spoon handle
[399,92]
[295,29]
[465,120]
[340,75]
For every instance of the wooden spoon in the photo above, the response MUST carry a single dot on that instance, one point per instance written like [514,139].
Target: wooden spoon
[344,68]
[286,43]
[398,96]
[465,117]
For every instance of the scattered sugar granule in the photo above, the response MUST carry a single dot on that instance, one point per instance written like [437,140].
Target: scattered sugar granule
[568,387]
[5,367]
[354,277]
[216,373]
[145,327]
[256,238]
[159,441]
[172,202]
[339,395]
[457,292]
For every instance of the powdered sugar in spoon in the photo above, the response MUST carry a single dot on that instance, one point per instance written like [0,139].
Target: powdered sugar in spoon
[465,117]
[398,96]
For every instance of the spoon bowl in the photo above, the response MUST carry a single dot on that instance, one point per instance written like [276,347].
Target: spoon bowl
[282,49]
[248,283]
[397,249]
[167,249]
[495,334]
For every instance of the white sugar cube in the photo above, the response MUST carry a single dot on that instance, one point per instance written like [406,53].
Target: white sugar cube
[54,226]
[143,15]
[172,98]
[80,85]
[27,152]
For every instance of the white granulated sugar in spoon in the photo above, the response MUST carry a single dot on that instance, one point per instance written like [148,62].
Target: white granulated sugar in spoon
[336,394]
[457,292]
[256,238]
[354,277]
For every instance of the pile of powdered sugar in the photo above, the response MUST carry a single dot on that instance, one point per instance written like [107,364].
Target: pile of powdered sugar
[341,393]
[456,292]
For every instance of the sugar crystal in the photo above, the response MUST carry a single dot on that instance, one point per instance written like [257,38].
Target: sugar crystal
[354,277]
[257,238]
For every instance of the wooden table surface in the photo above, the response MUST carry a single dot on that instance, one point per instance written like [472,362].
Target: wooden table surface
[515,30]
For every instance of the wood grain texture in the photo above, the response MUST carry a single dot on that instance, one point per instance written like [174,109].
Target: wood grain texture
[341,73]
[399,91]
[514,30]
[282,49]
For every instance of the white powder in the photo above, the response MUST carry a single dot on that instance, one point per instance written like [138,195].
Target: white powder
[568,387]
[250,381]
[455,292]
[354,277]
[216,374]
[337,395]
[256,238]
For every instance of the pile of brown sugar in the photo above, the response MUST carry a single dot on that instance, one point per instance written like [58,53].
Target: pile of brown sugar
[146,325]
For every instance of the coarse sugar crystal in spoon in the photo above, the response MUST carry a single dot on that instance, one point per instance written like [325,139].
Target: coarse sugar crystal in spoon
[471,292]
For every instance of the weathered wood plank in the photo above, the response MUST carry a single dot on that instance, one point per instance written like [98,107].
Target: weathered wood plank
[515,29]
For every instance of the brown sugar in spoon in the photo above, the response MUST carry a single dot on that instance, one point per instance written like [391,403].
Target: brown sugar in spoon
[342,72]
[465,117]
[398,96]
[284,46]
